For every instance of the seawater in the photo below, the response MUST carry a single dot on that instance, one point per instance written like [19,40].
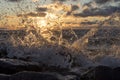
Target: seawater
[66,48]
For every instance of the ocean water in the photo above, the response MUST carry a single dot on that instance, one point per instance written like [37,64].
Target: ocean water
[65,49]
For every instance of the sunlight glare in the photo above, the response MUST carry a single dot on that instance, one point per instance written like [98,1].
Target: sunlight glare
[41,22]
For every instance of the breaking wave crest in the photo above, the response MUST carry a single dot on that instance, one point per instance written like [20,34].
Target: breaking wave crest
[61,50]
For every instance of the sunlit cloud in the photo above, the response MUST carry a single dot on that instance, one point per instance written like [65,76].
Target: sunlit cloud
[32,14]
[41,9]
[35,0]
[56,8]
[89,13]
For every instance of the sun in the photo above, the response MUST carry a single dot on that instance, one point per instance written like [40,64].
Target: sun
[51,16]
[47,22]
[41,22]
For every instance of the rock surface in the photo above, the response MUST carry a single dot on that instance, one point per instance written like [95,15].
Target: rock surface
[11,66]
[29,76]
[33,76]
[116,73]
[103,73]
[4,77]
[14,69]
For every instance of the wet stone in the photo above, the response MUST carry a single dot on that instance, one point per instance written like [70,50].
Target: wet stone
[98,73]
[103,73]
[116,73]
[11,66]
[4,77]
[3,51]
[33,76]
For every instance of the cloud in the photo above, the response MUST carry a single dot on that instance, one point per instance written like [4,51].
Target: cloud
[104,11]
[41,9]
[32,14]
[99,8]
[88,23]
[74,7]
[55,8]
[35,0]
[14,0]
[105,1]
[102,1]
[117,0]
[59,0]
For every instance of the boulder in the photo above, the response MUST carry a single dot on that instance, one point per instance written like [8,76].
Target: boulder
[11,66]
[4,77]
[25,75]
[98,73]
[103,73]
[58,56]
[116,73]
[33,76]
[3,52]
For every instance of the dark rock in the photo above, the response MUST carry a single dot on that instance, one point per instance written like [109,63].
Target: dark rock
[103,73]
[11,66]
[33,76]
[98,73]
[116,73]
[29,76]
[3,51]
[4,77]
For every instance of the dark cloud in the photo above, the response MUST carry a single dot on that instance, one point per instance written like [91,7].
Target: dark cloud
[68,13]
[75,7]
[14,0]
[117,0]
[31,14]
[59,0]
[88,23]
[41,9]
[105,1]
[75,0]
[105,11]
[102,1]
[99,8]
[89,5]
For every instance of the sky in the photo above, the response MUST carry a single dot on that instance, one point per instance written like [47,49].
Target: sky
[83,10]
[14,6]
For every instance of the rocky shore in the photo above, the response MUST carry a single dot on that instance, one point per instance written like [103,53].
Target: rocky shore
[99,60]
[14,69]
